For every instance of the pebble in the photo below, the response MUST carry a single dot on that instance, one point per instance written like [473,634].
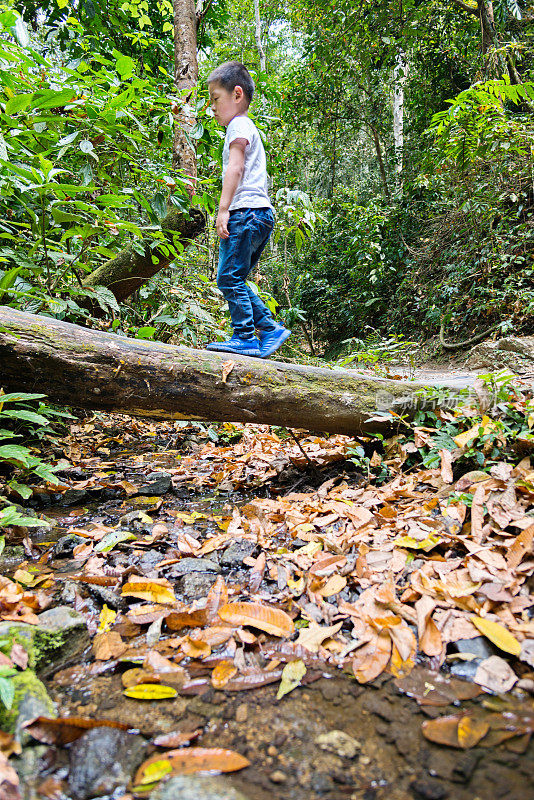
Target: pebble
[241,713]
[340,743]
[278,776]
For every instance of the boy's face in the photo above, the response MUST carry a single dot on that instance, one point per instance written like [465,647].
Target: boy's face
[226,104]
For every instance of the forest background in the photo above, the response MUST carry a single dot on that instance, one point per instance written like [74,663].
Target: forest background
[400,144]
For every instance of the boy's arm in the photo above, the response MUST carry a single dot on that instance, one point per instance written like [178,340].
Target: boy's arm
[232,176]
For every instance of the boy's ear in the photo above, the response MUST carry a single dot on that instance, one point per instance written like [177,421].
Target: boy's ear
[238,92]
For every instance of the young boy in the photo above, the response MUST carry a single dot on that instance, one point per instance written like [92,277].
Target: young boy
[245,220]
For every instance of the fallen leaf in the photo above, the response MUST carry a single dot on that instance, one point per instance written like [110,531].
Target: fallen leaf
[292,675]
[227,367]
[150,691]
[495,674]
[497,634]
[106,618]
[270,620]
[66,729]
[155,590]
[372,658]
[176,738]
[222,673]
[471,731]
[314,635]
[195,648]
[334,585]
[108,645]
[189,760]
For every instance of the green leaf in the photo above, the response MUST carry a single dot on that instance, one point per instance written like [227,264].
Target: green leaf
[15,452]
[86,146]
[125,66]
[28,416]
[112,539]
[16,396]
[21,489]
[145,333]
[18,103]
[52,99]
[7,691]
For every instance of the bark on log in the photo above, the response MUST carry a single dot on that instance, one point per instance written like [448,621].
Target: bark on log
[85,368]
[129,270]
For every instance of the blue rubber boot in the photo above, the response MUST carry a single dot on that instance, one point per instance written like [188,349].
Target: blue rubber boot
[270,341]
[237,345]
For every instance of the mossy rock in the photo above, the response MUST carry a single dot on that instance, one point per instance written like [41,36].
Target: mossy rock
[59,638]
[31,700]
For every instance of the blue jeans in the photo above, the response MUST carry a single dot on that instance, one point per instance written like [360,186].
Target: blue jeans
[249,229]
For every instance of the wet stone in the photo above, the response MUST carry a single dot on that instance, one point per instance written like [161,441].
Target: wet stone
[479,646]
[426,789]
[465,669]
[157,483]
[322,783]
[103,760]
[65,545]
[197,584]
[239,549]
[339,742]
[188,565]
[196,787]
[74,497]
[465,766]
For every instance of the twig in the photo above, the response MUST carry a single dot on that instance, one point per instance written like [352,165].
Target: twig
[304,453]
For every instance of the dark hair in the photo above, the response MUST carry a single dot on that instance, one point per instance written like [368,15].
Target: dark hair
[232,74]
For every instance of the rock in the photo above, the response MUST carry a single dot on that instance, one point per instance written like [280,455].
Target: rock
[241,713]
[339,742]
[322,783]
[465,765]
[466,669]
[424,789]
[73,497]
[65,545]
[512,352]
[103,760]
[188,565]
[196,787]
[31,762]
[157,483]
[479,646]
[278,776]
[31,700]
[197,584]
[59,637]
[236,551]
[11,557]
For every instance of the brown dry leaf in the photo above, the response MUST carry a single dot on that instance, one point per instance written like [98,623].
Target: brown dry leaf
[334,585]
[146,614]
[195,648]
[520,547]
[186,619]
[223,672]
[217,597]
[270,620]
[227,367]
[66,729]
[372,658]
[155,590]
[457,730]
[314,635]
[495,674]
[9,780]
[427,631]
[189,760]
[446,465]
[136,675]
[108,645]
[477,512]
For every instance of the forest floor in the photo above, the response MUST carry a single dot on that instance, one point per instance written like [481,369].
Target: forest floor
[244,603]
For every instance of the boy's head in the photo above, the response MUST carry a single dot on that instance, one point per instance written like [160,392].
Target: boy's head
[231,89]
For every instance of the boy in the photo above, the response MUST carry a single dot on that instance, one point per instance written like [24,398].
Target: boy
[245,220]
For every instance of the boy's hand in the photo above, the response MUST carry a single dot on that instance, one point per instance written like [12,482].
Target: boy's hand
[222,224]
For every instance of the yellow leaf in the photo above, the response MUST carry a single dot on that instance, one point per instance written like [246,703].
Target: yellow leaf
[155,590]
[412,543]
[150,691]
[497,634]
[471,731]
[292,674]
[106,618]
[155,771]
[464,438]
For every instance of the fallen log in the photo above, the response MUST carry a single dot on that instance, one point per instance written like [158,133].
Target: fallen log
[90,369]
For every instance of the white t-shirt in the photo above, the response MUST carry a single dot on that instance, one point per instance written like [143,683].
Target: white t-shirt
[252,191]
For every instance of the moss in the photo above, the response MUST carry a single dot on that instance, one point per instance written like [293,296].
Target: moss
[26,683]
[47,645]
[41,646]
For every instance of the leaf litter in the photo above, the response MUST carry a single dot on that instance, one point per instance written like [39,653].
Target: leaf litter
[353,575]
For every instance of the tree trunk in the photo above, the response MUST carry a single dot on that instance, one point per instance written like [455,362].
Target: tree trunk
[129,269]
[379,155]
[400,74]
[257,35]
[90,369]
[185,80]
